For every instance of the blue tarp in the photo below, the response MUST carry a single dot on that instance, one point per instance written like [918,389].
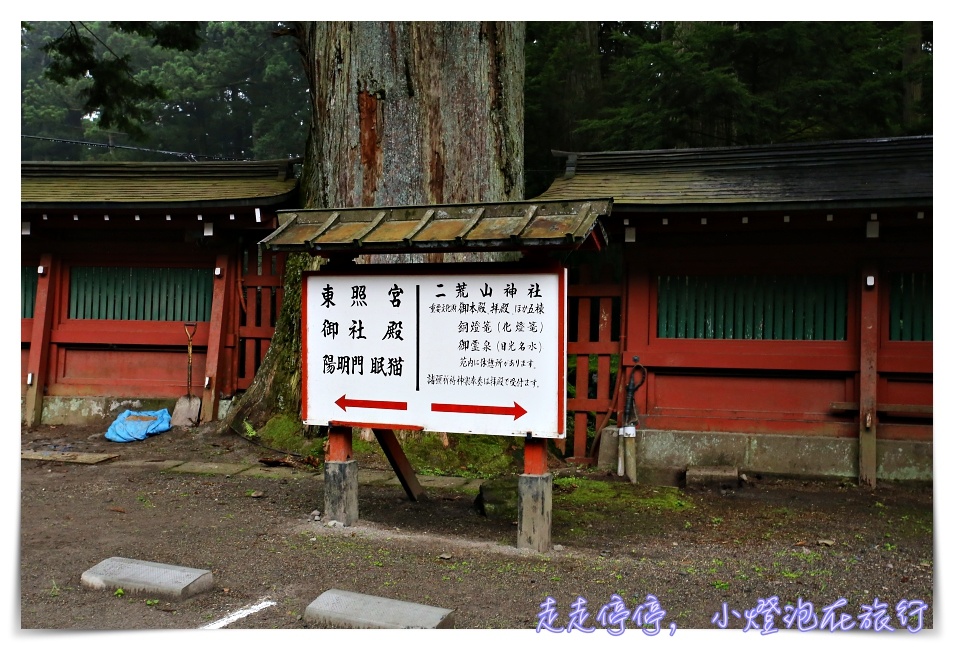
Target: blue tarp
[138,425]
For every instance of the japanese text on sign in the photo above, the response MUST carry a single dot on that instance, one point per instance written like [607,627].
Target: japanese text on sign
[467,353]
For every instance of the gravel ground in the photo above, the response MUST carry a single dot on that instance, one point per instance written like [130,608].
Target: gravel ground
[726,551]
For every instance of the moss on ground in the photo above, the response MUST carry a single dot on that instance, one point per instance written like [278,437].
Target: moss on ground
[287,434]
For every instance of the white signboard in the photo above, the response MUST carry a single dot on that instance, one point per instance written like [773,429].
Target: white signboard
[461,352]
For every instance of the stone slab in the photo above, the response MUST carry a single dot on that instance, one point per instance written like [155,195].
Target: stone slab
[192,467]
[347,609]
[275,472]
[442,481]
[160,465]
[712,475]
[67,456]
[148,578]
[608,457]
[372,476]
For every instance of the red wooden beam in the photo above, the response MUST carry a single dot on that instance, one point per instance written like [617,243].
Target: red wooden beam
[402,467]
[40,340]
[535,456]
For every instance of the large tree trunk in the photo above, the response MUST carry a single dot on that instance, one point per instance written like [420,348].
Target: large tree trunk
[402,114]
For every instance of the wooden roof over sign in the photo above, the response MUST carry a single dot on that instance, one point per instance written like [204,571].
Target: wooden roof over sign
[509,226]
[849,173]
[48,185]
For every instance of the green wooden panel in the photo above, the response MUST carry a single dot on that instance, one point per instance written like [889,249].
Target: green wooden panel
[28,281]
[756,307]
[119,293]
[911,307]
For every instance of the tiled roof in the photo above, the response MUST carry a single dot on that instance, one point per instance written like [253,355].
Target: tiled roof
[514,225]
[51,184]
[852,172]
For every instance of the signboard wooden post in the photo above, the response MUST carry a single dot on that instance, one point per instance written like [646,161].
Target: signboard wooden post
[458,349]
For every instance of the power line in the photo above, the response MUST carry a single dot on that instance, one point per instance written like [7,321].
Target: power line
[180,154]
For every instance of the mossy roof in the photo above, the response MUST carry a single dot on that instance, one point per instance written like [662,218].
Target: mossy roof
[850,173]
[49,185]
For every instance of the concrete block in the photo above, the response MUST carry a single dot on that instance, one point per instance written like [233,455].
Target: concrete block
[804,456]
[148,578]
[686,449]
[341,491]
[608,457]
[534,511]
[346,609]
[663,476]
[905,460]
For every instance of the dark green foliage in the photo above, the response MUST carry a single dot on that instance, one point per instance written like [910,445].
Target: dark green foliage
[706,84]
[112,89]
[230,90]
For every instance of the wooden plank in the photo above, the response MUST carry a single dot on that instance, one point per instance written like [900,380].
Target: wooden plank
[250,346]
[266,308]
[662,306]
[604,320]
[67,457]
[251,307]
[579,435]
[583,320]
[913,410]
[595,291]
[399,462]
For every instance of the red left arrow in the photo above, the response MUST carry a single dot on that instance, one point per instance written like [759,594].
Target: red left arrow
[516,410]
[344,403]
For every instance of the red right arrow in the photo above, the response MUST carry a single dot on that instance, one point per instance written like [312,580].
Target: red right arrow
[516,410]
[343,402]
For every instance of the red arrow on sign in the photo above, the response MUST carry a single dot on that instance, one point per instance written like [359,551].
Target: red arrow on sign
[344,403]
[516,410]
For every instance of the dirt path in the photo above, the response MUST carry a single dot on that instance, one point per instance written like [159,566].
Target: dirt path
[722,551]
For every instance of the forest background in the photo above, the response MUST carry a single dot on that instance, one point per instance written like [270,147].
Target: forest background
[237,90]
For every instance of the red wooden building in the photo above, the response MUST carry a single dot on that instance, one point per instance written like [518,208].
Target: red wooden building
[117,258]
[780,298]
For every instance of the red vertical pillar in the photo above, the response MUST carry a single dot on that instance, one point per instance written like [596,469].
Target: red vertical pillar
[220,286]
[40,341]
[339,444]
[535,456]
[868,378]
[534,498]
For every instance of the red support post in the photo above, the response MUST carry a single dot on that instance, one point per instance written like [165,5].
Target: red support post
[868,379]
[220,290]
[339,444]
[40,340]
[535,456]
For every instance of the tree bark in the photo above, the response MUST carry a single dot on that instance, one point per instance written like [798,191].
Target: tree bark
[403,113]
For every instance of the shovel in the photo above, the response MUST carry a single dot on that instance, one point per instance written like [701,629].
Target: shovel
[186,412]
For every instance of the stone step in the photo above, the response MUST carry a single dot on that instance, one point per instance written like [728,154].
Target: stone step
[347,609]
[148,578]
